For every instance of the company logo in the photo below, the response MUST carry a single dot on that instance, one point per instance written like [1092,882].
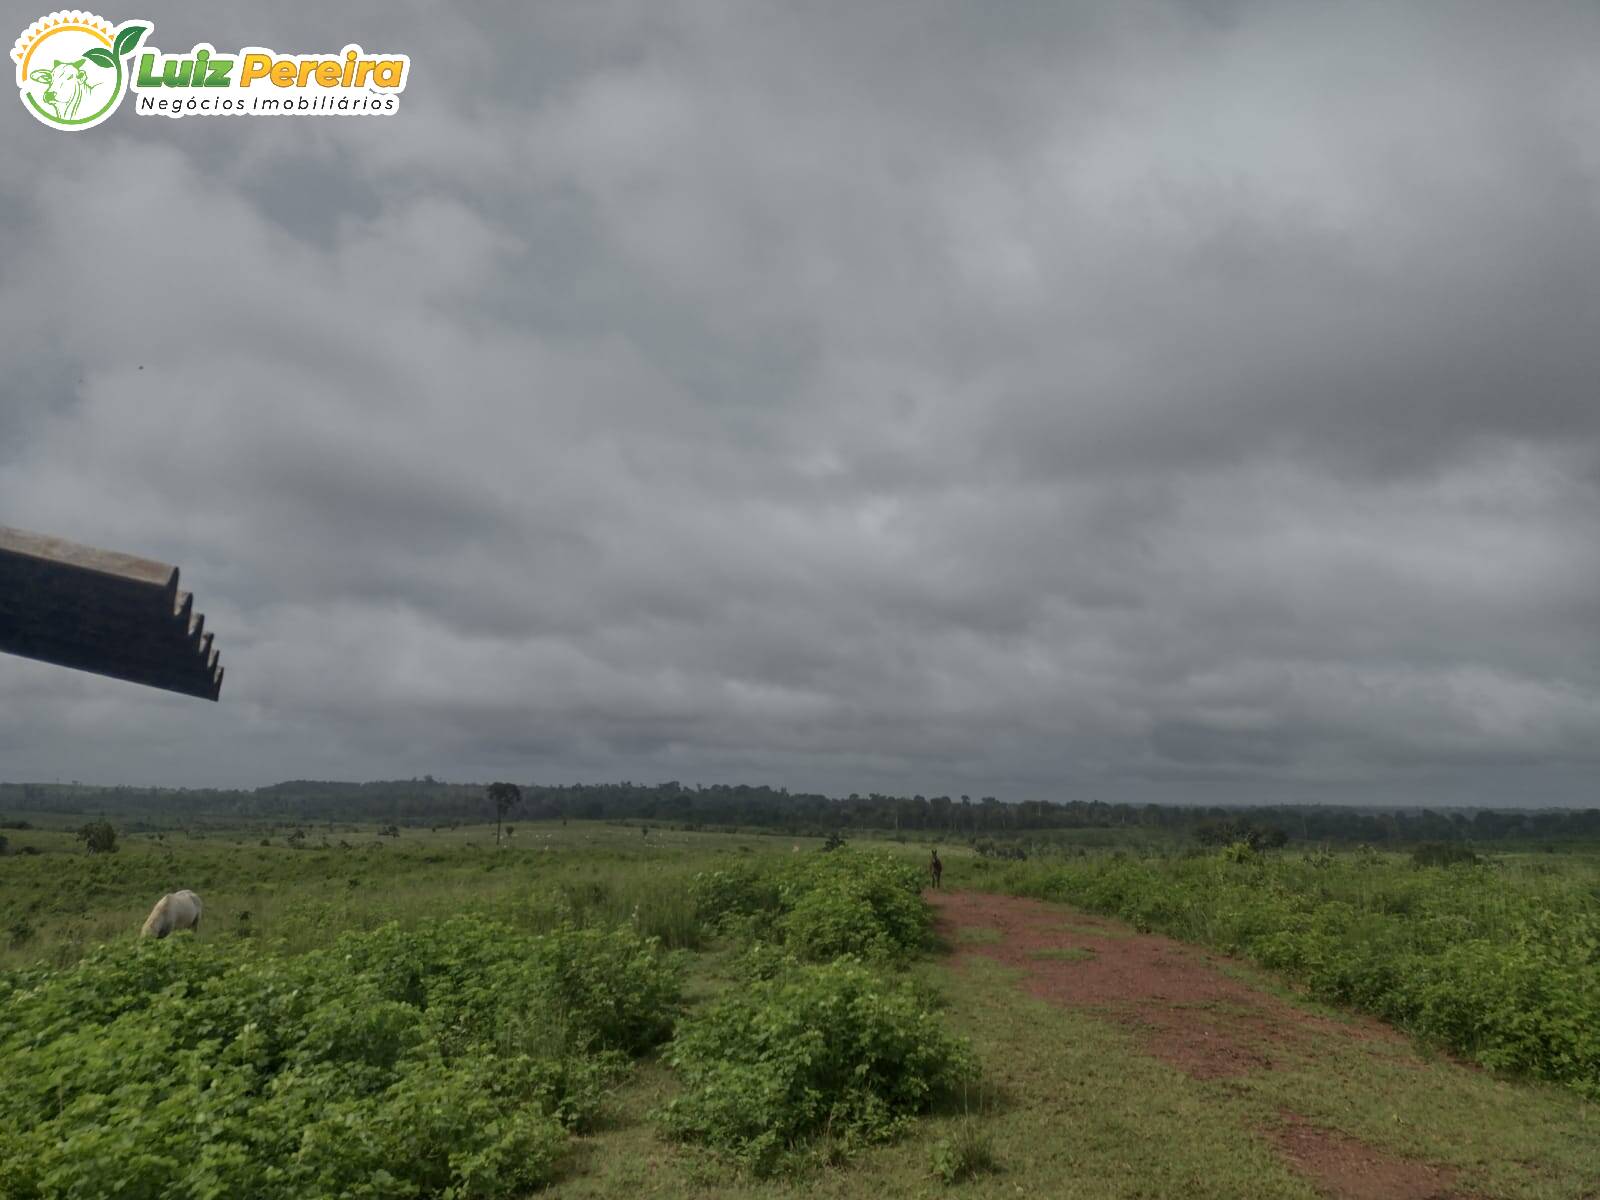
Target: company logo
[73,69]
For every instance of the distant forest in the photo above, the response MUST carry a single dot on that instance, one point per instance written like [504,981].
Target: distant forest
[430,802]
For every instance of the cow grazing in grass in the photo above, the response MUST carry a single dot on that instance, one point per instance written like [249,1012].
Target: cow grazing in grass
[174,911]
[68,87]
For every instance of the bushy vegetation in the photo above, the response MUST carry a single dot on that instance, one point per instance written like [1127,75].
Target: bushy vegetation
[512,1019]
[1499,963]
[821,906]
[451,1061]
[834,1049]
[98,837]
[819,1043]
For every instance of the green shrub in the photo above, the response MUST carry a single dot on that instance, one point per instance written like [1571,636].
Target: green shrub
[1240,852]
[821,906]
[743,898]
[831,1049]
[612,985]
[98,837]
[869,905]
[763,960]
[446,1061]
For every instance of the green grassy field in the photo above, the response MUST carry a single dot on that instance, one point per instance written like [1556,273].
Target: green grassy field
[1067,1101]
[62,901]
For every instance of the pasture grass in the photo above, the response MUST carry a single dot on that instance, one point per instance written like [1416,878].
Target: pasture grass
[58,903]
[1520,1141]
[1070,1105]
[1062,953]
[977,935]
[1509,1138]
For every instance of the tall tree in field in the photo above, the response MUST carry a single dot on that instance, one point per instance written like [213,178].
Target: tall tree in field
[505,797]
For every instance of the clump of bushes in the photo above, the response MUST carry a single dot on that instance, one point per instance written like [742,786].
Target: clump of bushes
[739,900]
[98,837]
[447,1061]
[868,905]
[814,1050]
[821,906]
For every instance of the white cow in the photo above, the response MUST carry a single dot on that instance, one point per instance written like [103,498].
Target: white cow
[174,911]
[68,87]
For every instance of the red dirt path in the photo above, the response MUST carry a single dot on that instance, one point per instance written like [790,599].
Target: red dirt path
[1189,1014]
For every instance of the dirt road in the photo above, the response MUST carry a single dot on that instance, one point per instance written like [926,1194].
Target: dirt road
[1189,1012]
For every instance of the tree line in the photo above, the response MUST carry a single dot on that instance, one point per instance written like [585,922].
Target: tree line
[427,801]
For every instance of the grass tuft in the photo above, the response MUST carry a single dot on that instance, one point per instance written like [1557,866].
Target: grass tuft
[966,1154]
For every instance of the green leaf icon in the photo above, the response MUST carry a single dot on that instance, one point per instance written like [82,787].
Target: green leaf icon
[129,37]
[100,56]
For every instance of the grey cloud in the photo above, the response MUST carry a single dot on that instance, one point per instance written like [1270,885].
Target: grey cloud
[1176,402]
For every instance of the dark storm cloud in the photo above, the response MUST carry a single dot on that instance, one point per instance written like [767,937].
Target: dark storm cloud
[1140,401]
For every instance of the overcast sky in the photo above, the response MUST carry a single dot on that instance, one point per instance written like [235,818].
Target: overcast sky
[1134,401]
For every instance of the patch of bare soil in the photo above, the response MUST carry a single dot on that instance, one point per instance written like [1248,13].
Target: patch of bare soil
[1351,1170]
[1189,1014]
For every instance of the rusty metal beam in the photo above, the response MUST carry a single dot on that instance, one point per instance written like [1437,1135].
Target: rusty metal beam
[96,610]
